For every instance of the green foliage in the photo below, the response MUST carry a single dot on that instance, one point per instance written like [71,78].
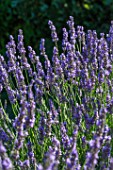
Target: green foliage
[32,16]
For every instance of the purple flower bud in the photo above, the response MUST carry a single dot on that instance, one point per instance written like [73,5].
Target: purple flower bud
[40,167]
[7,164]
[42,47]
[2,149]
[1,87]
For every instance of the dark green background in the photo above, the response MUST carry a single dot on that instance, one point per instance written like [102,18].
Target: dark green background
[32,16]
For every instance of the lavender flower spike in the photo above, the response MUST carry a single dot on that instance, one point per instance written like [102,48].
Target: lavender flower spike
[53,31]
[5,161]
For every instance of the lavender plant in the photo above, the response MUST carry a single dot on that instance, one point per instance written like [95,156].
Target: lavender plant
[61,114]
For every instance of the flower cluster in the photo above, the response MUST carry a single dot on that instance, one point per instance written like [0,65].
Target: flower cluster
[58,114]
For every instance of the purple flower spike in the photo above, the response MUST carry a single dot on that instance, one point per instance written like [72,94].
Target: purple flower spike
[5,161]
[42,47]
[65,39]
[32,54]
[53,31]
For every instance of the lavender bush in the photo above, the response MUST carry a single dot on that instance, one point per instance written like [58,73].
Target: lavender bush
[63,108]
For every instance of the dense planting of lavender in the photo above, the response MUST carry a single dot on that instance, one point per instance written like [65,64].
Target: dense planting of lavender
[63,108]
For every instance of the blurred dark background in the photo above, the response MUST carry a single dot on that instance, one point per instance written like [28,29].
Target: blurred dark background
[32,17]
